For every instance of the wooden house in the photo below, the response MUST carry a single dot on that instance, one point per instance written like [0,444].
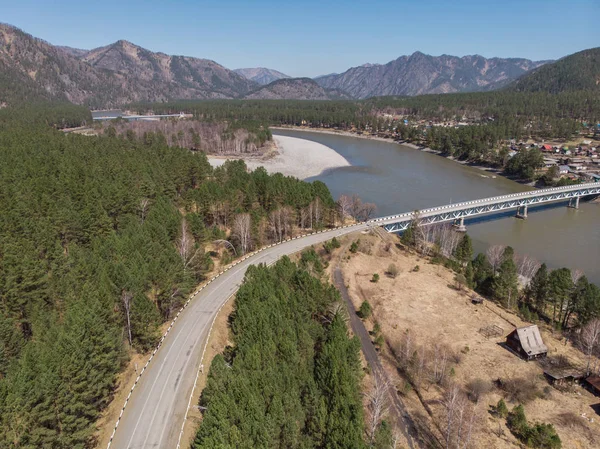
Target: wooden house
[527,342]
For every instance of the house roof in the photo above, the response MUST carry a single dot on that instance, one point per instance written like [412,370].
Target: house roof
[531,340]
[594,381]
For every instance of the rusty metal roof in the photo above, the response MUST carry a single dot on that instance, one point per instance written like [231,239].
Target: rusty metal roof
[594,381]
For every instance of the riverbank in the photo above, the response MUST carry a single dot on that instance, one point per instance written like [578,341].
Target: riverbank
[292,157]
[495,171]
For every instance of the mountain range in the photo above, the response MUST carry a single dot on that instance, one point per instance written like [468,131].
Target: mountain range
[109,76]
[419,74]
[121,73]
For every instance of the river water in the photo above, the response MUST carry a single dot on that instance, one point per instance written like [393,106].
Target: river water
[399,179]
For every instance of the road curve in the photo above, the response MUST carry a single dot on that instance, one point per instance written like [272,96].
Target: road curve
[157,407]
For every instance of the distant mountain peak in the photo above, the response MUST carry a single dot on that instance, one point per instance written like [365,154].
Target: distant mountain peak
[261,75]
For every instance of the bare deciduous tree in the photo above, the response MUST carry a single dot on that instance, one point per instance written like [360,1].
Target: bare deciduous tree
[576,275]
[144,203]
[378,405]
[356,207]
[280,223]
[304,217]
[317,211]
[451,403]
[126,297]
[367,211]
[461,418]
[494,256]
[527,267]
[447,239]
[408,344]
[440,362]
[344,205]
[185,247]
[241,231]
[590,339]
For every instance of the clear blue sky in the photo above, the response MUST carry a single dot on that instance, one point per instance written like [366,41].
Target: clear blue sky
[309,38]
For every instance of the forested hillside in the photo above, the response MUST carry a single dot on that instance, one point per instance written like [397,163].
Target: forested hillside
[579,71]
[292,378]
[101,239]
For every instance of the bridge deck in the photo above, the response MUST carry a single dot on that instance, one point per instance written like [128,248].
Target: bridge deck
[394,223]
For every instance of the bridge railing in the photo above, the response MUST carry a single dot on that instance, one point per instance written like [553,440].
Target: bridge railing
[495,199]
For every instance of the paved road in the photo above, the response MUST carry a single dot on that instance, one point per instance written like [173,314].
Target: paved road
[397,409]
[156,410]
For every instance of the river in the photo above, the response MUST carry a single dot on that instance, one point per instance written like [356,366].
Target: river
[398,179]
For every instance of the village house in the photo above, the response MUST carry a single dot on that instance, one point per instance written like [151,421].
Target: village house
[527,342]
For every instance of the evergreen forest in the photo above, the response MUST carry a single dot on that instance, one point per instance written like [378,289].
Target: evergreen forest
[101,240]
[292,377]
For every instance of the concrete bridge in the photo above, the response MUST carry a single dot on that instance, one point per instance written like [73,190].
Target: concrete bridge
[457,213]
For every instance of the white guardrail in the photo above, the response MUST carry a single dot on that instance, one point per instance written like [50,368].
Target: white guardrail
[192,296]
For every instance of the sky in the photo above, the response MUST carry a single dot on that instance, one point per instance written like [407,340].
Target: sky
[311,38]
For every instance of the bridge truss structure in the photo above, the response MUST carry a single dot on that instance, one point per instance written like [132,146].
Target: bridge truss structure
[458,212]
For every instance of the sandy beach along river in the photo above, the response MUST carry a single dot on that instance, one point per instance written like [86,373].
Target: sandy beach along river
[296,157]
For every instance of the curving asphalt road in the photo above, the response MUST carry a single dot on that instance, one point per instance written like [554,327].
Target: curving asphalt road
[158,405]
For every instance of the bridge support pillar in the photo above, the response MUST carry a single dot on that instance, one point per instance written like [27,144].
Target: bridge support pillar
[459,224]
[522,212]
[574,205]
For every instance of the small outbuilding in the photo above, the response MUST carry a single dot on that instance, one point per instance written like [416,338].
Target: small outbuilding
[527,342]
[592,383]
[561,378]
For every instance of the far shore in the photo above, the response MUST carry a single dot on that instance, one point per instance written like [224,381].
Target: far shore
[291,157]
[495,171]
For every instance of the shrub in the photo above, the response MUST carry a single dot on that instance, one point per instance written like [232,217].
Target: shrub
[375,278]
[520,389]
[376,328]
[538,435]
[478,388]
[460,280]
[380,341]
[354,247]
[416,268]
[365,310]
[517,422]
[501,409]
[330,245]
[392,271]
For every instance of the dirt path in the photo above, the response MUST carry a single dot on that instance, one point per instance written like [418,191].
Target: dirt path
[397,409]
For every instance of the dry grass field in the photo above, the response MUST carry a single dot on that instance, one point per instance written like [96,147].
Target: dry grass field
[424,306]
